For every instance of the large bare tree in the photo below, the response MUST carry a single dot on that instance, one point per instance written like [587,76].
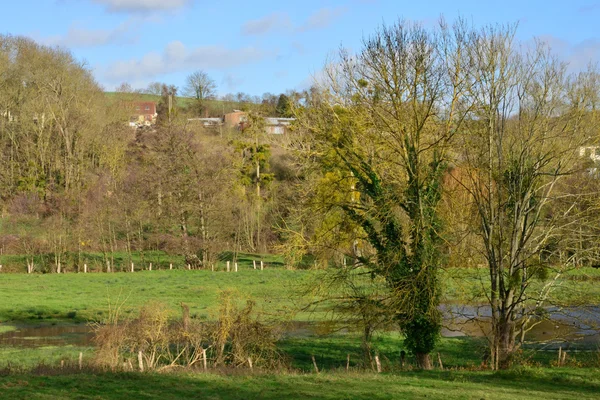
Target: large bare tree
[520,141]
[201,87]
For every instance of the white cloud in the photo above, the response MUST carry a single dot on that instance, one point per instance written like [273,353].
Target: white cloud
[142,5]
[177,57]
[280,21]
[322,18]
[271,22]
[578,55]
[77,36]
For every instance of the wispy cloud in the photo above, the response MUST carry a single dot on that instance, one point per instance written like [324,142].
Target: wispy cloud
[142,5]
[280,21]
[322,18]
[78,36]
[177,57]
[588,8]
[232,82]
[578,55]
[268,23]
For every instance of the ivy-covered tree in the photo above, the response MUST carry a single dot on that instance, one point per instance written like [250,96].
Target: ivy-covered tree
[382,126]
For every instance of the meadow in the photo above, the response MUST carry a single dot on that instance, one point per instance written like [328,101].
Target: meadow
[276,289]
[34,372]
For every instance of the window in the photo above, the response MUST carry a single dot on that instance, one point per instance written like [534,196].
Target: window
[147,108]
[137,108]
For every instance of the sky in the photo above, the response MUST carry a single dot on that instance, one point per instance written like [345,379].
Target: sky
[263,46]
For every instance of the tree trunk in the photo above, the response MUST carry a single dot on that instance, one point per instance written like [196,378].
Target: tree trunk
[423,361]
[506,344]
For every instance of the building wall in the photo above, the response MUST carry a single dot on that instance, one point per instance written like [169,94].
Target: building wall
[234,119]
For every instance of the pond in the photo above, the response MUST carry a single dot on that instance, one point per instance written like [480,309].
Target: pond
[48,335]
[571,328]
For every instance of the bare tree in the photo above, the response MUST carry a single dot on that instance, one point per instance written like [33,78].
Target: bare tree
[124,88]
[154,88]
[200,86]
[519,142]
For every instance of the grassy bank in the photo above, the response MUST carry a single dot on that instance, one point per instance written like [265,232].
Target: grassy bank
[518,384]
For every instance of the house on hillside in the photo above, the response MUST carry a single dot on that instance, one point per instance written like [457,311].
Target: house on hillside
[208,122]
[591,152]
[143,113]
[235,119]
[278,126]
[273,125]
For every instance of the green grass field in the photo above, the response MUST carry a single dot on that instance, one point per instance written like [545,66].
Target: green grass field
[85,297]
[278,292]
[516,384]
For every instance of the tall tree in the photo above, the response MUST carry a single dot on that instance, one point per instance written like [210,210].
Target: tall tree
[381,133]
[201,87]
[521,140]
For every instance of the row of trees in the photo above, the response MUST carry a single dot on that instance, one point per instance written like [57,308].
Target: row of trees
[423,124]
[76,179]
[202,90]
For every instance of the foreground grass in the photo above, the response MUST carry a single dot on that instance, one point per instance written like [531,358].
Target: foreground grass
[331,354]
[518,384]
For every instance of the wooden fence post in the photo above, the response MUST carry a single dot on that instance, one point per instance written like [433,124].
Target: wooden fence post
[80,360]
[140,361]
[150,267]
[85,268]
[204,358]
[250,363]
[189,267]
[227,266]
[348,362]
[440,361]
[235,266]
[559,356]
[261,265]
[132,269]
[253,264]
[315,364]
[378,363]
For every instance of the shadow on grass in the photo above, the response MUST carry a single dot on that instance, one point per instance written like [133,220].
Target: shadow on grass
[331,352]
[575,384]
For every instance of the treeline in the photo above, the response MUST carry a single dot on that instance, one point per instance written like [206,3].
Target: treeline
[198,98]
[76,179]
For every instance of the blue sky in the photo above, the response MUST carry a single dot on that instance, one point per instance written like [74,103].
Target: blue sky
[263,45]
